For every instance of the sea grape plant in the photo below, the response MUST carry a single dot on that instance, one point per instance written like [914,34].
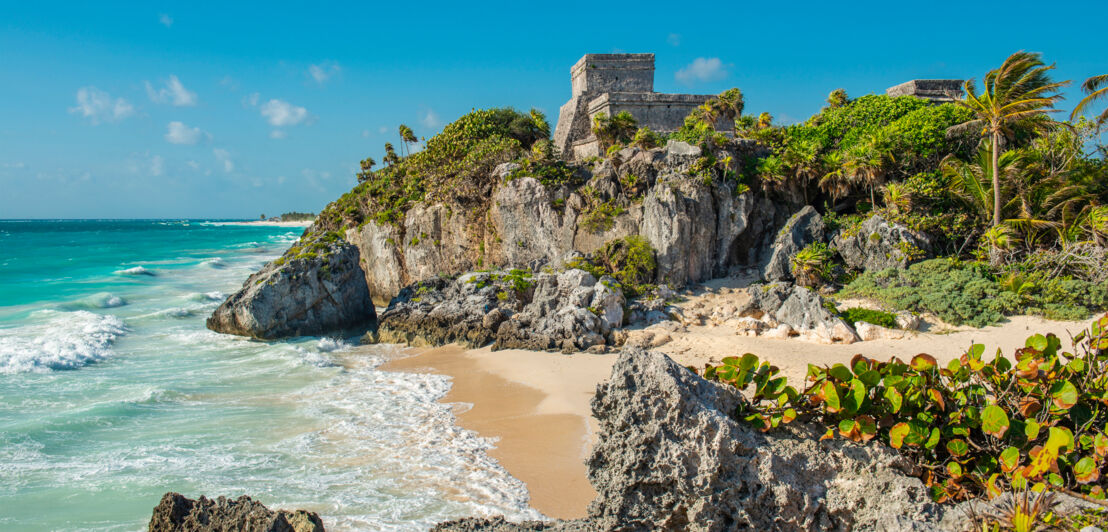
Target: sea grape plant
[974,427]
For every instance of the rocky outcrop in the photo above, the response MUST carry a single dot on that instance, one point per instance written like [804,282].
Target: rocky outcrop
[177,513]
[317,287]
[879,244]
[801,310]
[671,456]
[568,311]
[693,223]
[803,228]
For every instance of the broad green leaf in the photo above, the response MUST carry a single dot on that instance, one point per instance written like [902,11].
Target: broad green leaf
[924,362]
[957,447]
[1086,470]
[1031,429]
[841,373]
[1009,459]
[1059,438]
[994,421]
[1037,342]
[855,396]
[870,378]
[894,398]
[748,361]
[954,470]
[933,440]
[730,361]
[830,397]
[897,434]
[1064,394]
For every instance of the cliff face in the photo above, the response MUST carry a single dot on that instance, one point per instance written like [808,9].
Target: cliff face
[695,224]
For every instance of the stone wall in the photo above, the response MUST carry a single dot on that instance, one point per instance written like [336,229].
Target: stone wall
[936,90]
[597,73]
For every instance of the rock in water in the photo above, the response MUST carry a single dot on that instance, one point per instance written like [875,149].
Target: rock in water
[671,457]
[879,244]
[314,288]
[177,513]
[802,229]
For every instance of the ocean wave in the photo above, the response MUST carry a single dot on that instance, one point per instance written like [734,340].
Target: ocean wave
[206,296]
[137,270]
[216,263]
[65,340]
[97,301]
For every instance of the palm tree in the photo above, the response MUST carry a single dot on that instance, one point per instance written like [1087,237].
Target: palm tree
[973,182]
[765,120]
[869,162]
[834,182]
[1095,89]
[390,155]
[1020,91]
[729,104]
[407,138]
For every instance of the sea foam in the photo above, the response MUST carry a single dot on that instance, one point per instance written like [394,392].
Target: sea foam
[137,270]
[63,340]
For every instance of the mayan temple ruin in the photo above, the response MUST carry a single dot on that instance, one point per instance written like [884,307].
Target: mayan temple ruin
[936,90]
[611,83]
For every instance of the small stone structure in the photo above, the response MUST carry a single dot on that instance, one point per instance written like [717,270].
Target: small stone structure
[936,90]
[612,83]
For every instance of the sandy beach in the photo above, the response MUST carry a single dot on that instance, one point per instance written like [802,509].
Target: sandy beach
[536,404]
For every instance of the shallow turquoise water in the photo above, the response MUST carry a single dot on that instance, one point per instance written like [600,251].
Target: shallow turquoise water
[112,392]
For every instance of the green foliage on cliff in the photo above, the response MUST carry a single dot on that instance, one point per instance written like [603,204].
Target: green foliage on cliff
[454,165]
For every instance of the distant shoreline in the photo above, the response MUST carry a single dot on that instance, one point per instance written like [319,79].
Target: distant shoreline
[267,223]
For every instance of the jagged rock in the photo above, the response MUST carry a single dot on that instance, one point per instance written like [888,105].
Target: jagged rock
[315,288]
[670,456]
[802,310]
[681,154]
[503,170]
[879,244]
[177,513]
[868,331]
[802,229]
[569,311]
[907,321]
[647,338]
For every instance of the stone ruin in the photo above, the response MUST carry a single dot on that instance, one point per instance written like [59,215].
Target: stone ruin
[936,90]
[609,84]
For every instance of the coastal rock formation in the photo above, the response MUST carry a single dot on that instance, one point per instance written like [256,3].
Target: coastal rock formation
[803,228]
[671,456]
[699,228]
[568,311]
[314,288]
[802,311]
[879,244]
[177,513]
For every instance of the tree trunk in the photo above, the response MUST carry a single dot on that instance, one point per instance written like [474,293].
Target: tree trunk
[996,178]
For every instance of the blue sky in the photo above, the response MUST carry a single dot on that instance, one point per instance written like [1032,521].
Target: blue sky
[206,109]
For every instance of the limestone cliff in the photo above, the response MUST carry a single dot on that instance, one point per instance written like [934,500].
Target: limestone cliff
[697,225]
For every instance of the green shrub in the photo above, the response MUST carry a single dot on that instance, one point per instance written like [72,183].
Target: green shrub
[973,427]
[957,293]
[876,317]
[631,261]
[812,265]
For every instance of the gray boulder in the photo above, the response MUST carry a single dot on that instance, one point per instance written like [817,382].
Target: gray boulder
[177,513]
[802,310]
[567,311]
[316,287]
[803,228]
[879,244]
[671,457]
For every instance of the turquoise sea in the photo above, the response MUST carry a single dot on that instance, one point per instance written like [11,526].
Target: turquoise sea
[112,392]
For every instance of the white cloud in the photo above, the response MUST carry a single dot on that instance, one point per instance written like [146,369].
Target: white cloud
[365,133]
[251,100]
[156,165]
[229,82]
[17,164]
[324,71]
[165,20]
[277,134]
[281,113]
[98,106]
[224,157]
[702,69]
[430,119]
[179,133]
[382,130]
[674,39]
[173,93]
[193,164]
